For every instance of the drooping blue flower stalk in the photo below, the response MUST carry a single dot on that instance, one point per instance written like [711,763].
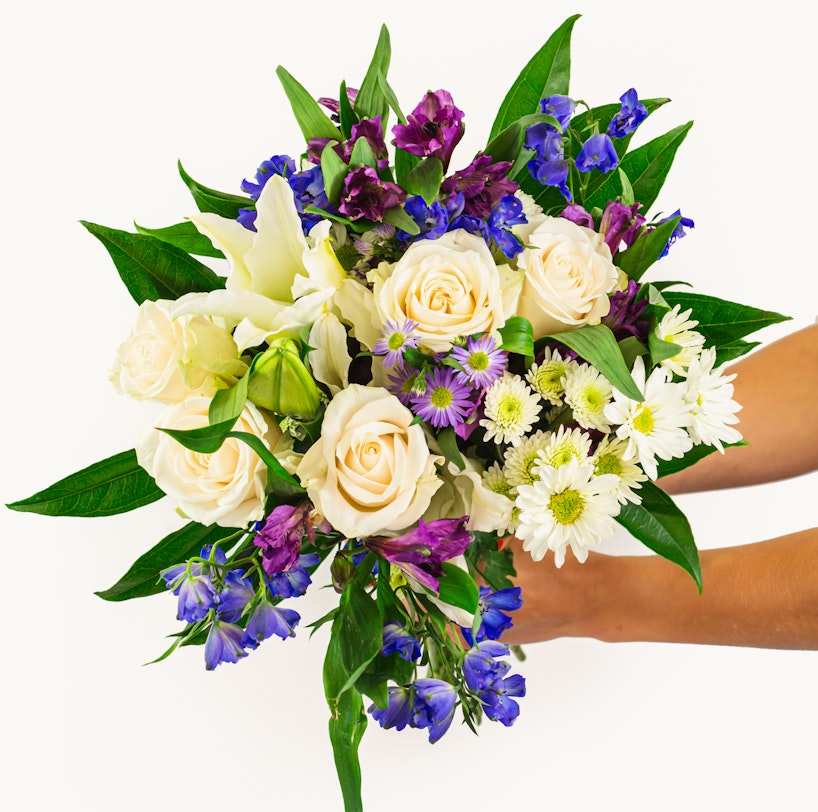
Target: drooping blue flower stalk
[366,195]
[491,608]
[282,165]
[482,360]
[420,552]
[629,117]
[399,711]
[481,669]
[551,173]
[620,223]
[397,639]
[547,143]
[223,644]
[293,583]
[194,585]
[560,107]
[433,220]
[678,232]
[236,593]
[483,184]
[434,706]
[507,213]
[498,704]
[597,153]
[433,128]
[268,620]
[445,400]
[395,340]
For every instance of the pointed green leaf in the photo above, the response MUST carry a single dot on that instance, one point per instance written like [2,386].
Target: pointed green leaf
[312,120]
[363,155]
[661,348]
[371,101]
[646,249]
[698,452]
[735,349]
[458,588]
[345,112]
[184,236]
[142,579]
[518,336]
[228,404]
[114,485]
[404,163]
[205,440]
[506,145]
[153,269]
[425,179]
[547,73]
[334,170]
[211,200]
[400,219]
[391,98]
[663,528]
[631,347]
[346,729]
[360,628]
[449,448]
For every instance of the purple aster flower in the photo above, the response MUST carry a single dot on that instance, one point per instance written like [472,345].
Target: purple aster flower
[546,142]
[434,706]
[560,107]
[282,165]
[366,195]
[446,399]
[293,583]
[398,712]
[483,183]
[483,363]
[481,669]
[396,338]
[507,213]
[620,223]
[268,620]
[597,153]
[420,552]
[629,117]
[678,232]
[236,593]
[397,640]
[433,220]
[223,644]
[433,128]
[626,315]
[577,214]
[401,384]
[551,173]
[281,536]
[491,609]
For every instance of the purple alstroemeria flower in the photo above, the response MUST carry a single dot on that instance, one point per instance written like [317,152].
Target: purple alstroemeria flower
[626,315]
[236,593]
[282,165]
[432,219]
[597,153]
[483,184]
[620,223]
[678,232]
[370,129]
[629,117]
[366,195]
[491,608]
[293,583]
[551,173]
[446,399]
[223,644]
[420,552]
[507,213]
[334,106]
[577,214]
[560,107]
[281,535]
[399,711]
[434,706]
[268,620]
[433,128]
[398,640]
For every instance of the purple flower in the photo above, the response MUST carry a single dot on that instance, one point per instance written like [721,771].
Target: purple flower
[507,213]
[293,583]
[577,214]
[397,640]
[268,620]
[194,586]
[237,592]
[395,339]
[445,401]
[420,552]
[334,106]
[483,363]
[482,183]
[223,644]
[370,129]
[626,315]
[678,232]
[247,218]
[366,195]
[546,142]
[434,706]
[620,223]
[560,107]
[433,128]
[308,189]
[597,153]
[491,609]
[281,536]
[480,666]
[629,117]
[433,220]
[401,384]
[282,165]
[497,702]
[398,712]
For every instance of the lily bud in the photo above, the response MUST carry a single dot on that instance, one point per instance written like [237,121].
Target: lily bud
[280,382]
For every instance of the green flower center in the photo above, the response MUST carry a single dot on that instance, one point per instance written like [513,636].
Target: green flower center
[479,361]
[509,410]
[395,341]
[566,507]
[643,422]
[441,398]
[608,464]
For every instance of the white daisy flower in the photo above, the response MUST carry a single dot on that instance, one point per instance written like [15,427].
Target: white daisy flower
[608,459]
[709,396]
[520,459]
[565,445]
[588,392]
[494,479]
[510,409]
[677,328]
[566,507]
[546,377]
[656,427]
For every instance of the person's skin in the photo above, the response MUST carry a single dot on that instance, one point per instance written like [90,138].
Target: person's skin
[762,594]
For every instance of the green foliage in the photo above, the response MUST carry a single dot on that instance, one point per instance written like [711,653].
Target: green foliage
[457,588]
[371,100]
[312,120]
[518,336]
[647,248]
[424,179]
[697,453]
[447,440]
[211,200]
[184,236]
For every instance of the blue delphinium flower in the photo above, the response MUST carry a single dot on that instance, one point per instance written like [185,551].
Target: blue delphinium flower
[507,213]
[486,676]
[399,711]
[482,360]
[629,117]
[597,153]
[560,107]
[282,165]
[224,644]
[491,609]
[551,173]
[548,166]
[268,620]
[497,702]
[308,189]
[432,219]
[398,640]
[434,706]
[194,586]
[237,591]
[293,583]
[678,232]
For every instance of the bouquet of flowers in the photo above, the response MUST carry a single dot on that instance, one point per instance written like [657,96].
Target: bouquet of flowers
[403,366]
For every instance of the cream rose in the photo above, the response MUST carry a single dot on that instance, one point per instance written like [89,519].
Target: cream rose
[568,275]
[169,359]
[370,471]
[225,488]
[450,286]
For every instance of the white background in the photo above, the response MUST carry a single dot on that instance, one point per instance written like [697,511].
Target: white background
[99,100]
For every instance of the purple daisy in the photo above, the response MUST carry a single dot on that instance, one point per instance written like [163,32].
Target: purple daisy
[482,361]
[396,339]
[402,384]
[446,399]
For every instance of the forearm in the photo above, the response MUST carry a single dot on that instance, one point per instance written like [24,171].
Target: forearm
[762,595]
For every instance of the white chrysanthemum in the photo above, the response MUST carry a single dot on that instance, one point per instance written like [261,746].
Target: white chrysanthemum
[520,459]
[565,445]
[566,507]
[588,392]
[677,328]
[511,409]
[656,427]
[546,377]
[494,479]
[709,396]
[609,459]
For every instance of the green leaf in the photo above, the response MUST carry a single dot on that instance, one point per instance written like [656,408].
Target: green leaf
[448,447]
[645,250]
[391,98]
[458,588]
[698,452]
[346,729]
[627,198]
[311,119]
[334,170]
[506,145]
[371,101]
[663,528]
[114,485]
[404,163]
[210,200]
[228,404]
[153,269]
[400,219]
[345,112]
[661,348]
[360,628]
[518,336]
[363,155]
[373,681]
[425,179]
[722,321]
[184,236]
[597,345]
[733,350]
[631,347]
[143,579]
[547,73]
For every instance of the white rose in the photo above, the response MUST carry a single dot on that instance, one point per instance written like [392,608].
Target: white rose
[169,359]
[225,488]
[568,275]
[450,286]
[370,471]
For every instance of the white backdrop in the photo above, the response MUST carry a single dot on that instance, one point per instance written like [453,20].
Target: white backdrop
[99,101]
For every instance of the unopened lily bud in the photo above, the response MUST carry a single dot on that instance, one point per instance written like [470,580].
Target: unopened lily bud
[280,382]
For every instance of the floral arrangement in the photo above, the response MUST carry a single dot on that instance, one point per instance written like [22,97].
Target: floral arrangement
[403,366]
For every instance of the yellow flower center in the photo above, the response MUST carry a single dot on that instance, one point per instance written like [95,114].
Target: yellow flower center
[566,507]
[441,398]
[607,464]
[478,361]
[643,422]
